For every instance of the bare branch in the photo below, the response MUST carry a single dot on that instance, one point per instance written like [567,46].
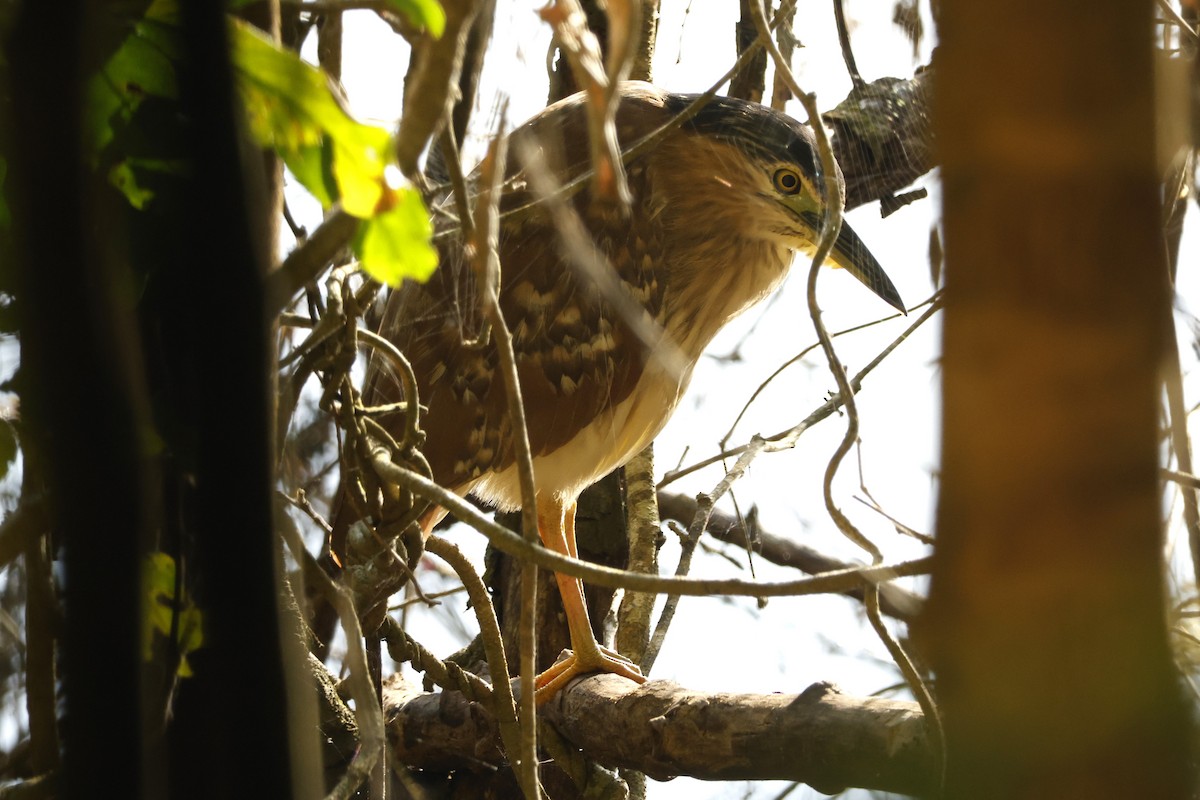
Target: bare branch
[883,138]
[787,439]
[516,545]
[428,97]
[598,81]
[307,260]
[839,14]
[820,737]
[894,600]
[367,712]
[486,263]
[829,230]
[633,626]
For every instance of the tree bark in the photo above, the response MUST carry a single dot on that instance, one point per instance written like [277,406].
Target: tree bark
[820,736]
[1045,619]
[82,398]
[883,138]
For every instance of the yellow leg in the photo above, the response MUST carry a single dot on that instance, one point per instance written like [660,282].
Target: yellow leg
[556,525]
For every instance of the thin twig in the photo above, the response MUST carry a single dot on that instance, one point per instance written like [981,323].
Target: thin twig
[800,356]
[517,546]
[571,187]
[486,262]
[458,182]
[784,550]
[432,596]
[367,713]
[829,231]
[787,439]
[634,613]
[1182,478]
[579,44]
[1174,16]
[705,503]
[412,400]
[1181,444]
[433,74]
[306,260]
[446,674]
[503,706]
[784,23]
[839,14]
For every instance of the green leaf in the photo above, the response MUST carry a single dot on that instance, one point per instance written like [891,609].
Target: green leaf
[143,66]
[159,588]
[313,167]
[123,178]
[291,108]
[396,244]
[126,174]
[425,14]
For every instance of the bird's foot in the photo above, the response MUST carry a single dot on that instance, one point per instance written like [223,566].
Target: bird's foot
[576,663]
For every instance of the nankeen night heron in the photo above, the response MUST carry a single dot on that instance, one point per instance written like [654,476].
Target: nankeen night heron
[719,205]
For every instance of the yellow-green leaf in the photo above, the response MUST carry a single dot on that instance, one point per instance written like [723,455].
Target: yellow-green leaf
[159,596]
[358,169]
[313,167]
[124,177]
[396,243]
[426,14]
[292,108]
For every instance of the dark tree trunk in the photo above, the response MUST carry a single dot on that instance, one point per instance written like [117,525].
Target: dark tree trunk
[218,378]
[81,401]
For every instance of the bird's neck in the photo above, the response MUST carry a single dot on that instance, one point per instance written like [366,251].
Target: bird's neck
[719,263]
[701,300]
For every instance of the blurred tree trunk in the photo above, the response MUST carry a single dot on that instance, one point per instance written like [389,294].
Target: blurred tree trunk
[81,399]
[1046,619]
[147,416]
[216,376]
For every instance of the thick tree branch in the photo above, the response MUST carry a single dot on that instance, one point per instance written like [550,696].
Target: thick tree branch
[883,139]
[435,67]
[821,737]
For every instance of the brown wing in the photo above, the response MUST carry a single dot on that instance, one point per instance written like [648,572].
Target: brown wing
[575,354]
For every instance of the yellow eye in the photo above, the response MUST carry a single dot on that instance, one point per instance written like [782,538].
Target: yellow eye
[787,181]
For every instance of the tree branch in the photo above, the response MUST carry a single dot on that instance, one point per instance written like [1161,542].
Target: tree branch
[820,737]
[515,545]
[883,139]
[894,600]
[308,260]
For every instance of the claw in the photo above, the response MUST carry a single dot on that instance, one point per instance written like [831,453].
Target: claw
[550,682]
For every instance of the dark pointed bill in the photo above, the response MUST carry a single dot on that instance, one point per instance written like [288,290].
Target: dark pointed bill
[852,255]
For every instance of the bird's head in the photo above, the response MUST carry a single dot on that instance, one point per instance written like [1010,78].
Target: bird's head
[763,168]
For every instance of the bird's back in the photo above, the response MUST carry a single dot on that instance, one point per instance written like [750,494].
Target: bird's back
[578,359]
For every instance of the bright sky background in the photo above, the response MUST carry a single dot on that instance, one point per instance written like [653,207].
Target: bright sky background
[792,642]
